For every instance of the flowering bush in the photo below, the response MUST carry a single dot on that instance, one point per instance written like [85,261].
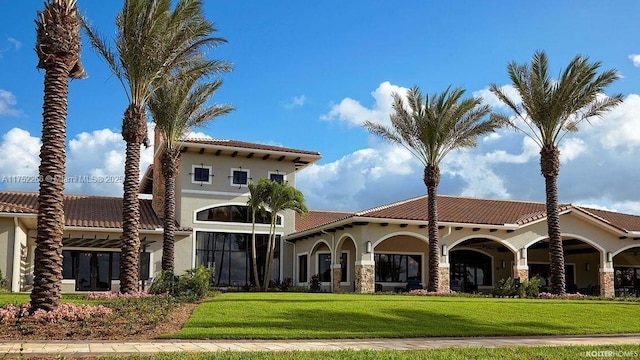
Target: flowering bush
[64,312]
[546,295]
[110,295]
[425,292]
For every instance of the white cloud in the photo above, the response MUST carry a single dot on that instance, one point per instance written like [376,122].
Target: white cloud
[635,58]
[7,103]
[489,98]
[620,128]
[353,113]
[95,161]
[364,178]
[571,148]
[296,101]
[198,135]
[17,44]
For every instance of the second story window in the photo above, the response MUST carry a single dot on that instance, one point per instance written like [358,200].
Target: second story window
[201,174]
[239,177]
[279,178]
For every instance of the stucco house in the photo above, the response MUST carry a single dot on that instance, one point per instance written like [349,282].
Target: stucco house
[481,240]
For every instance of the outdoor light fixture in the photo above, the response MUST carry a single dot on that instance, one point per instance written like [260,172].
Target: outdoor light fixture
[444,250]
[523,253]
[368,246]
[609,257]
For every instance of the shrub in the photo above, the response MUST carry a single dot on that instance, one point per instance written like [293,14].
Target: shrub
[283,285]
[511,288]
[4,283]
[194,284]
[315,283]
[165,283]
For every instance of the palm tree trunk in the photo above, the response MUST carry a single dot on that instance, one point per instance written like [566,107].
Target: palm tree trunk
[550,167]
[169,169]
[48,253]
[254,258]
[268,256]
[134,132]
[431,180]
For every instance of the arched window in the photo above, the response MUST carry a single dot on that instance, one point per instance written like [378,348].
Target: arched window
[235,213]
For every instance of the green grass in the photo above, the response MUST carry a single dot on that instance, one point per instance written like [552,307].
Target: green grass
[511,353]
[324,316]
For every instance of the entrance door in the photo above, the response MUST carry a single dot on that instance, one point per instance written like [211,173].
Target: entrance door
[94,271]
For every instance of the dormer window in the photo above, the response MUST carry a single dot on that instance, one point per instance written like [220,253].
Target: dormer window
[277,177]
[201,174]
[239,177]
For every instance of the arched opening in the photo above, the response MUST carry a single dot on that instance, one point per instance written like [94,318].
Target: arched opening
[320,262]
[475,264]
[582,262]
[626,276]
[346,249]
[400,262]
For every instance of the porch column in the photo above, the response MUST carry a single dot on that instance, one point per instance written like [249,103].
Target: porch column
[336,272]
[521,272]
[365,276]
[443,285]
[607,288]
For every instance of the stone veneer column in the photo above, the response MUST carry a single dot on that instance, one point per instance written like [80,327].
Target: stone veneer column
[365,277]
[521,272]
[444,283]
[336,271]
[606,283]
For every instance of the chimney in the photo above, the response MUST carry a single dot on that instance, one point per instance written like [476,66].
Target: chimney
[157,199]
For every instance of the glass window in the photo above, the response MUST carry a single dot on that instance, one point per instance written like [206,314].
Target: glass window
[302,268]
[470,269]
[324,267]
[235,213]
[230,255]
[68,264]
[279,178]
[201,174]
[240,177]
[397,267]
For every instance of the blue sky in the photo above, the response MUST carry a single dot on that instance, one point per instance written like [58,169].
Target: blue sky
[308,73]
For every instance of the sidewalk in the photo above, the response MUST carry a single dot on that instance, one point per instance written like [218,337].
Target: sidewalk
[97,348]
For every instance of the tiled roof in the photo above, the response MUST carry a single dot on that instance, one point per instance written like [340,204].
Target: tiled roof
[625,222]
[82,211]
[465,210]
[317,218]
[247,145]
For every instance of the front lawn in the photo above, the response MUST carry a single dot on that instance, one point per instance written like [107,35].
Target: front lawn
[324,316]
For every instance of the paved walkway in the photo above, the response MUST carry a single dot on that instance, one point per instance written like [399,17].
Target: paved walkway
[96,348]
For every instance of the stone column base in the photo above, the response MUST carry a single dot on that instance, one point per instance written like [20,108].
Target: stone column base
[365,278]
[607,288]
[522,273]
[444,281]
[336,271]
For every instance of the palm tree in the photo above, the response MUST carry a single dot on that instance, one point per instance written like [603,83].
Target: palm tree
[177,107]
[430,128]
[151,42]
[256,204]
[58,49]
[279,197]
[548,111]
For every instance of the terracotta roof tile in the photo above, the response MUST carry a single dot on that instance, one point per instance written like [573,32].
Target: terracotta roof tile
[465,210]
[626,222]
[83,211]
[247,145]
[316,218]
